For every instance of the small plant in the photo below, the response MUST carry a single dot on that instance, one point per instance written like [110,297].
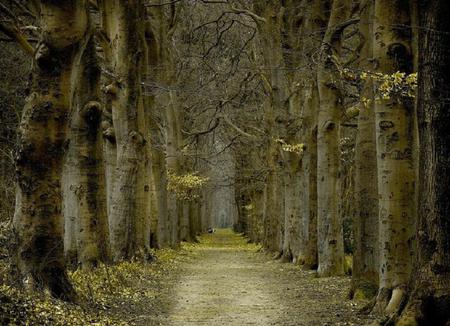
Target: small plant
[291,148]
[398,84]
[185,186]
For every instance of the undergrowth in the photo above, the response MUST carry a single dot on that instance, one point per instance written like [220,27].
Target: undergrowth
[108,295]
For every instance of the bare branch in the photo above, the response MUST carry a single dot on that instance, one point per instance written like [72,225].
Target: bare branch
[239,130]
[255,17]
[14,33]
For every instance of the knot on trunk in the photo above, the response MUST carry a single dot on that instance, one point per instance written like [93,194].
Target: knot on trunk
[136,137]
[329,126]
[401,56]
[91,113]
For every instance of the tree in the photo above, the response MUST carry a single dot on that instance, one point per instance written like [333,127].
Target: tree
[365,224]
[396,155]
[429,301]
[124,28]
[329,223]
[43,137]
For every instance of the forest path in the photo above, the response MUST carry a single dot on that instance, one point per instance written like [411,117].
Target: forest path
[226,281]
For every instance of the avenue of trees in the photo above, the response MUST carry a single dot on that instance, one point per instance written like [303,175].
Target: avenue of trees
[316,127]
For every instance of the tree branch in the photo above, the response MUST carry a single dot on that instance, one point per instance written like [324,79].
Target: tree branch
[255,17]
[15,34]
[239,130]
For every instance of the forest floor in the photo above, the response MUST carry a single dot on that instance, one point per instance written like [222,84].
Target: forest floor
[226,281]
[221,280]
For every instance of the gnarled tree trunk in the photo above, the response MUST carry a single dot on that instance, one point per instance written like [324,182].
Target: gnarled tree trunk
[124,28]
[89,183]
[43,136]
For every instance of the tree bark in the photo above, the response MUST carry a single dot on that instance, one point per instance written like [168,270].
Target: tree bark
[276,117]
[365,220]
[429,303]
[309,257]
[124,27]
[89,184]
[396,140]
[43,136]
[329,223]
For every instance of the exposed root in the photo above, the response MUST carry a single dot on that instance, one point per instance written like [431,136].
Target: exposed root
[411,315]
[381,301]
[396,302]
[286,256]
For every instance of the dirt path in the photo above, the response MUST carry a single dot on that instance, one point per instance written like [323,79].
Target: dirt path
[225,281]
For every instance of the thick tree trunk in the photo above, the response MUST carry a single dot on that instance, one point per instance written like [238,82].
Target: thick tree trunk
[365,220]
[396,139]
[330,231]
[276,117]
[429,303]
[124,26]
[305,241]
[158,191]
[89,184]
[43,135]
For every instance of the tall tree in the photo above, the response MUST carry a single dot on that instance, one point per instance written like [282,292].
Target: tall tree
[270,21]
[124,28]
[396,141]
[329,223]
[88,182]
[365,223]
[43,136]
[429,302]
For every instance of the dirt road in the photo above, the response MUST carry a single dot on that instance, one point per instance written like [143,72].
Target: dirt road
[225,281]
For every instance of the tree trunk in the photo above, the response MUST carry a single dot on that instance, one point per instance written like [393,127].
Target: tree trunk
[123,23]
[396,139]
[365,221]
[158,191]
[429,303]
[88,184]
[43,136]
[174,206]
[330,231]
[306,232]
[309,208]
[276,118]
